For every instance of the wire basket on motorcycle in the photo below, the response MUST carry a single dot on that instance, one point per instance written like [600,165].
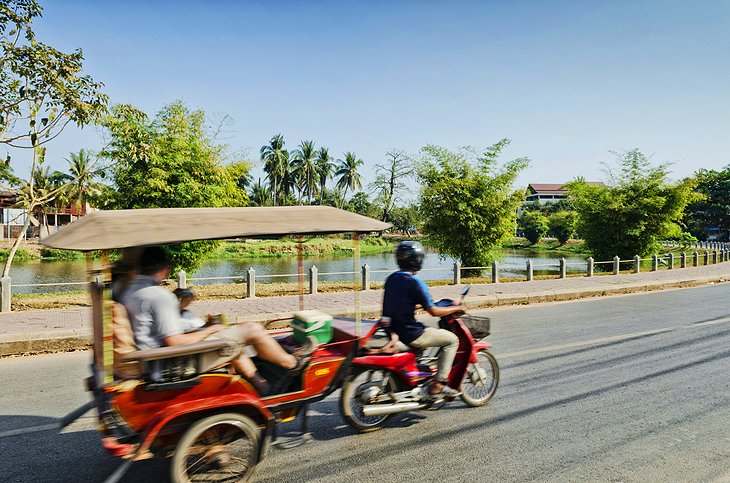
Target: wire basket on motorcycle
[477,325]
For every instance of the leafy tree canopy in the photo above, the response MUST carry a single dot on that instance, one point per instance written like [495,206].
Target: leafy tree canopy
[42,90]
[562,225]
[167,162]
[630,216]
[468,202]
[711,209]
[534,225]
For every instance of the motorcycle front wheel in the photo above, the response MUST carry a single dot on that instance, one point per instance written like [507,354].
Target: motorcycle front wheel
[481,380]
[354,398]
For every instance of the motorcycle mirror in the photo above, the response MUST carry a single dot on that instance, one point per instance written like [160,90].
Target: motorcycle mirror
[465,290]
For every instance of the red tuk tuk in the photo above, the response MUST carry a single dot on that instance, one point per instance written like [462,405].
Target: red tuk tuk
[213,424]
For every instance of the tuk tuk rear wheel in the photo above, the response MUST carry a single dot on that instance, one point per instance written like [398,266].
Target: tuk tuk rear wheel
[222,447]
[351,403]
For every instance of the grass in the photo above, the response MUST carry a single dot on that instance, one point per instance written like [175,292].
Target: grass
[573,247]
[289,247]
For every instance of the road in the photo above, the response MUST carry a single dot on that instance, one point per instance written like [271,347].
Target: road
[627,388]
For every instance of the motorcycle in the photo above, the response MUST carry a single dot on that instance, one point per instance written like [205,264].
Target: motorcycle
[381,385]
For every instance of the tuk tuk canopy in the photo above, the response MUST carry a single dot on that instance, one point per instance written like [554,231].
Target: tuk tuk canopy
[106,230]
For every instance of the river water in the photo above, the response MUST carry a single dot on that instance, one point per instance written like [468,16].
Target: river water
[54,273]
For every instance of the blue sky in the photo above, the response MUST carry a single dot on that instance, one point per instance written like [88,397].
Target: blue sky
[567,82]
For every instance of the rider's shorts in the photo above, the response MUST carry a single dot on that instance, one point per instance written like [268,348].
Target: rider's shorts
[213,360]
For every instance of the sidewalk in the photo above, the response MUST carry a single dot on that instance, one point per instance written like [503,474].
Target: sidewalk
[57,330]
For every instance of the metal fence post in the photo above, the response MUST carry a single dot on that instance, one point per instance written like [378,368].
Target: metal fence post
[313,279]
[5,294]
[637,263]
[182,281]
[670,261]
[563,271]
[457,272]
[714,256]
[695,259]
[589,267]
[528,268]
[366,277]
[654,262]
[251,283]
[683,260]
[495,271]
[616,264]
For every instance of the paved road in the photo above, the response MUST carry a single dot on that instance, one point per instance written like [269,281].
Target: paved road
[628,388]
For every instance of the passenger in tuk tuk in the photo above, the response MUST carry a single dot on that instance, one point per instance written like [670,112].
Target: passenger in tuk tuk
[404,293]
[154,313]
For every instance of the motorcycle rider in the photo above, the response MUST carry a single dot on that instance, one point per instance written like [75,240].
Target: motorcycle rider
[404,292]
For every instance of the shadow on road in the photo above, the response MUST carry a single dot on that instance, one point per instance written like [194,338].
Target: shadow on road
[32,449]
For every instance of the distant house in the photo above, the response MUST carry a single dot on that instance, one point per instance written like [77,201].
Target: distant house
[12,219]
[550,192]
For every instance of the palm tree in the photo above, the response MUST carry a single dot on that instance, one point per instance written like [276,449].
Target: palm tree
[82,170]
[347,172]
[306,167]
[324,170]
[260,194]
[276,165]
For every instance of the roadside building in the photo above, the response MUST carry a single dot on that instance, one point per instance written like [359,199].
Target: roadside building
[550,192]
[42,224]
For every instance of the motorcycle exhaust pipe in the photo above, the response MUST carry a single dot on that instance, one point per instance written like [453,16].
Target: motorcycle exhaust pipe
[383,409]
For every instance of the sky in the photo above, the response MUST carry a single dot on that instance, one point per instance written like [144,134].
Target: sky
[568,82]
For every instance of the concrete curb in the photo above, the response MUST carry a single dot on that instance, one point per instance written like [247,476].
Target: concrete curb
[62,341]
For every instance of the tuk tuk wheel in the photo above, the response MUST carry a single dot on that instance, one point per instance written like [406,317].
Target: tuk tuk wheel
[221,447]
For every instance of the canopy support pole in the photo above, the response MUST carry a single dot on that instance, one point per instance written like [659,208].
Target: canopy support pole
[356,282]
[300,271]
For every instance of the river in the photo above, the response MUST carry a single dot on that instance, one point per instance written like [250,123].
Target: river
[435,268]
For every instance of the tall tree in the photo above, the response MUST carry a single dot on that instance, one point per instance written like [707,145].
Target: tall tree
[388,184]
[630,215]
[710,211]
[468,202]
[167,162]
[305,167]
[324,171]
[42,90]
[348,177]
[276,164]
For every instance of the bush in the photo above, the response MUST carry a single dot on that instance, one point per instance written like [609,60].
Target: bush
[534,225]
[562,225]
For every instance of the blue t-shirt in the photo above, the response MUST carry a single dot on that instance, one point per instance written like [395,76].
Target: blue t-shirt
[403,291]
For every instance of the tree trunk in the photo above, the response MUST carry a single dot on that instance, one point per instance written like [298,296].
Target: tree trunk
[16,244]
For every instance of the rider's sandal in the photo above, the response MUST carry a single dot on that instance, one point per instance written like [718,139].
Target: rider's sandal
[446,391]
[304,353]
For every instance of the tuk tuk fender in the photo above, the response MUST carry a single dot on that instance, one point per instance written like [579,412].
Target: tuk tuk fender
[217,403]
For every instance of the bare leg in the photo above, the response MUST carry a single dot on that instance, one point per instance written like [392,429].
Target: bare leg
[266,347]
[244,365]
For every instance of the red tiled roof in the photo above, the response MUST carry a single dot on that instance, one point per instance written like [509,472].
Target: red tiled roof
[554,188]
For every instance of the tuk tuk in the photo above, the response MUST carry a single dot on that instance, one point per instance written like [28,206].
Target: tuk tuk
[211,423]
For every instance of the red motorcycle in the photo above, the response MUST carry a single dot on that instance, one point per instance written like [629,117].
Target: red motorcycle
[381,385]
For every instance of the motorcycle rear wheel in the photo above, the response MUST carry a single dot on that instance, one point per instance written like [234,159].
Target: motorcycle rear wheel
[478,388]
[351,405]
